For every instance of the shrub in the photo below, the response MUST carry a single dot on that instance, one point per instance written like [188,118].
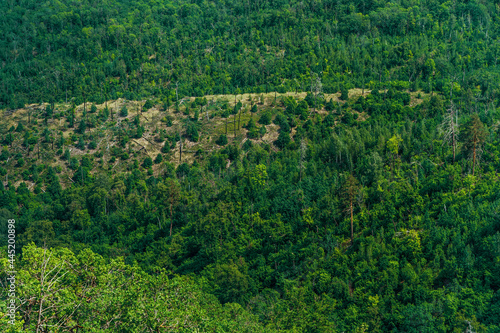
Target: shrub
[329,106]
[329,120]
[73,163]
[344,93]
[67,155]
[148,105]
[148,162]
[247,145]
[123,111]
[222,140]
[166,148]
[283,140]
[254,108]
[265,119]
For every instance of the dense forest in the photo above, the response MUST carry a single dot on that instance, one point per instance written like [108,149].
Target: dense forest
[236,166]
[97,50]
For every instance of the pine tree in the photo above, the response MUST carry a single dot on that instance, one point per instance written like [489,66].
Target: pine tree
[349,192]
[473,135]
[124,111]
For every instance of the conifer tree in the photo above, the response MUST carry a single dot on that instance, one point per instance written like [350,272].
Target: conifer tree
[349,192]
[473,135]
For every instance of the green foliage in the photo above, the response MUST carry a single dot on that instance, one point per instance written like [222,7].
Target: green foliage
[82,126]
[81,143]
[182,170]
[217,162]
[265,118]
[167,120]
[148,162]
[67,155]
[147,105]
[360,219]
[139,132]
[5,154]
[49,112]
[309,99]
[232,152]
[20,128]
[283,140]
[393,144]
[104,114]
[330,105]
[124,111]
[165,148]
[344,93]
[237,107]
[113,289]
[192,132]
[222,140]
[73,163]
[71,120]
[473,135]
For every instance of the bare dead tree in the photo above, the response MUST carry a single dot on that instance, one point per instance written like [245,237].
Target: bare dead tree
[303,150]
[316,88]
[450,129]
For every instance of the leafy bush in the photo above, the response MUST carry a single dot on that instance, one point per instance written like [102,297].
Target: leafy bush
[344,93]
[283,140]
[265,119]
[192,132]
[165,148]
[148,105]
[124,111]
[222,140]
[148,162]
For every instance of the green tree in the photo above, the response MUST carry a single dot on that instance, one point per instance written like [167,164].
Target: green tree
[222,140]
[393,148]
[253,109]
[473,135]
[349,192]
[82,127]
[148,105]
[192,132]
[147,163]
[283,140]
[124,111]
[344,93]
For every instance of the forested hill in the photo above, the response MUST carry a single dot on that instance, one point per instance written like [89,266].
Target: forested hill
[255,166]
[105,49]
